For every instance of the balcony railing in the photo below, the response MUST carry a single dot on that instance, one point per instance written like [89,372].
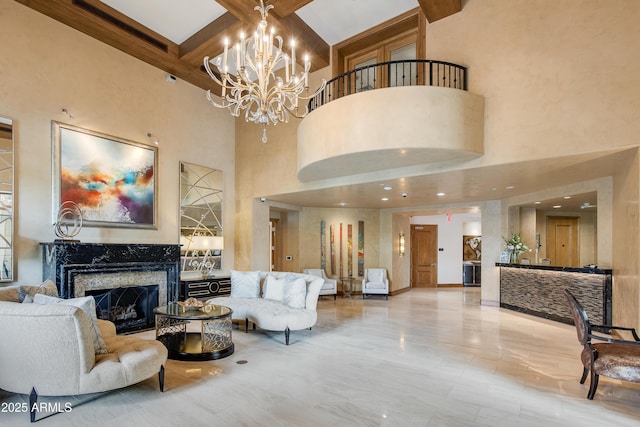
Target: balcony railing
[414,72]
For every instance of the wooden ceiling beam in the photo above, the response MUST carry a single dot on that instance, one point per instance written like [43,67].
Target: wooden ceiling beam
[287,7]
[106,24]
[439,9]
[209,41]
[184,61]
[287,26]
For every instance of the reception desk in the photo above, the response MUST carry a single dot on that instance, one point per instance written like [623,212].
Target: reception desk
[538,290]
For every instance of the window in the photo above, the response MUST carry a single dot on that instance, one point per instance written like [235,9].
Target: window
[403,37]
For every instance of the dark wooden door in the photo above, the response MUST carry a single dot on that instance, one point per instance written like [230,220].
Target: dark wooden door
[424,256]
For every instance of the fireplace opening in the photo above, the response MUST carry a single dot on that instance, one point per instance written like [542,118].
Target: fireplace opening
[129,308]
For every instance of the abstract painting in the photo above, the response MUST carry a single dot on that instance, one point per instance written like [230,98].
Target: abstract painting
[349,250]
[112,180]
[360,248]
[323,247]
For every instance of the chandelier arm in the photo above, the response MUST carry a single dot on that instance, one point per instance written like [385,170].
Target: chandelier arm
[266,97]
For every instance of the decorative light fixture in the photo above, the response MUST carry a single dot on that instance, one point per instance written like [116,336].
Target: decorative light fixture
[401,244]
[255,88]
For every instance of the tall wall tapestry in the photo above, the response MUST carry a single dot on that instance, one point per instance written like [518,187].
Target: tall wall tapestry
[360,248]
[336,249]
[341,268]
[112,180]
[332,247]
[349,251]
[323,246]
[471,248]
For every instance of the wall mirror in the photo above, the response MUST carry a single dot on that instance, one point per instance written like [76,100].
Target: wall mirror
[6,200]
[201,236]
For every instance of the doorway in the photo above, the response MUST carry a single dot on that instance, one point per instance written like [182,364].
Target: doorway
[274,246]
[562,241]
[424,256]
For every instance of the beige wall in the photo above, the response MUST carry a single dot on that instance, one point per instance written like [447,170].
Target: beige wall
[625,242]
[310,219]
[587,235]
[400,272]
[45,66]
[558,77]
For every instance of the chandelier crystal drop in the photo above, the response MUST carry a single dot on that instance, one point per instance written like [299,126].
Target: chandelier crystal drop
[254,87]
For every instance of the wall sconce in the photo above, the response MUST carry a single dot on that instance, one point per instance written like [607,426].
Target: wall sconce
[153,138]
[401,244]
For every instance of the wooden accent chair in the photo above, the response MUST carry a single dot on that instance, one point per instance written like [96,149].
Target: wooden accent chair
[613,358]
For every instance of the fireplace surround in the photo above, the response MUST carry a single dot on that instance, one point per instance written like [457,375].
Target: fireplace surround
[80,269]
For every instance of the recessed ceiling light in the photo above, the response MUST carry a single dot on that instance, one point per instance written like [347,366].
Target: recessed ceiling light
[510,187]
[342,203]
[387,187]
[440,194]
[566,197]
[557,206]
[384,199]
[536,203]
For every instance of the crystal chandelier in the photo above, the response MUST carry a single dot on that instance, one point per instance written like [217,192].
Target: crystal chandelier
[255,88]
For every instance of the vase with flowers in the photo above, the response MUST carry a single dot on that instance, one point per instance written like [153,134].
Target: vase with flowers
[515,246]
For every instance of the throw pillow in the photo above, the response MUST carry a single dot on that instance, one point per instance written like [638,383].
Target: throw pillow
[245,284]
[86,304]
[295,293]
[10,294]
[47,288]
[273,288]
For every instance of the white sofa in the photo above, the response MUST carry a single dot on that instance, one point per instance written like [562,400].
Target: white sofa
[330,286]
[257,299]
[375,282]
[49,350]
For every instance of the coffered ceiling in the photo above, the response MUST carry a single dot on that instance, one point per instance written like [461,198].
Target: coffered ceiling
[175,36]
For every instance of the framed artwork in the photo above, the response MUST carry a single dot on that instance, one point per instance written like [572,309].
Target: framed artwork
[112,180]
[471,248]
[505,257]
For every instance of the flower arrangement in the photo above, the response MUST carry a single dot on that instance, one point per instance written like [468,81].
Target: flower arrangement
[515,245]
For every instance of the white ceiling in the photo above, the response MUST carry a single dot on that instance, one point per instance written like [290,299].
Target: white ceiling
[333,20]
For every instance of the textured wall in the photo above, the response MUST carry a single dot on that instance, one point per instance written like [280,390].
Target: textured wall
[46,66]
[540,292]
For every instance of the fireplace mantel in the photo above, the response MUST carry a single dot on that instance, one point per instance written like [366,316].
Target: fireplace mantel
[63,261]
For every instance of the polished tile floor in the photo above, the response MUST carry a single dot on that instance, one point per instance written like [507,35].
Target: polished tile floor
[422,358]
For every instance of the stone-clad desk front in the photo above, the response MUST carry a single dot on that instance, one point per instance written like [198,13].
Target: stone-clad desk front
[538,290]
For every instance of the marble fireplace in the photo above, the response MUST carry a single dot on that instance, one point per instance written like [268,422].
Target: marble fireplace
[127,280]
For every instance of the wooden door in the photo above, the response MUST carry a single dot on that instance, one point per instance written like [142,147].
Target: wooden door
[274,247]
[424,256]
[562,241]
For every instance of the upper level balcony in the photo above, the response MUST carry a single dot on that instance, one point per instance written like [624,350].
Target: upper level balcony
[390,115]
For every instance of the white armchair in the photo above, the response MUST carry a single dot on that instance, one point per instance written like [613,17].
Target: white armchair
[330,286]
[49,350]
[375,282]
